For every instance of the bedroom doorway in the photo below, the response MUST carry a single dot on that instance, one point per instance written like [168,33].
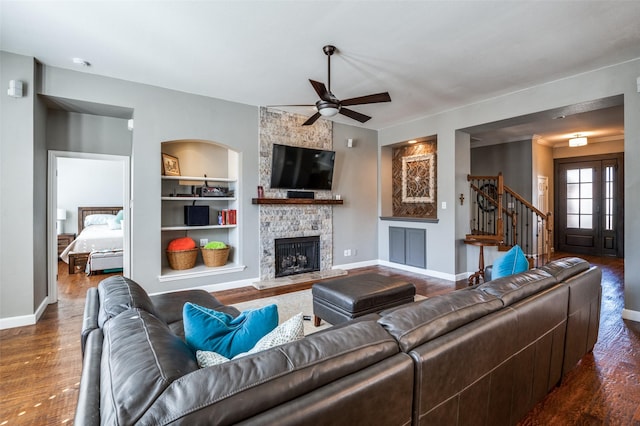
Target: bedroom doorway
[76,172]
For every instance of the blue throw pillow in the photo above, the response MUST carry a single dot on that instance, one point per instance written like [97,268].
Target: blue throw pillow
[512,262]
[209,330]
[120,216]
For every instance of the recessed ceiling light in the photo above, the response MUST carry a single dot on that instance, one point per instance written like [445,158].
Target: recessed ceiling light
[80,61]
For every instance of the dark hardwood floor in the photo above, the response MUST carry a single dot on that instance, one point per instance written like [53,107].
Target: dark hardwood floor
[40,365]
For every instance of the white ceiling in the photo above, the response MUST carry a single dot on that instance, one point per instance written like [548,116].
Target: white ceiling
[431,56]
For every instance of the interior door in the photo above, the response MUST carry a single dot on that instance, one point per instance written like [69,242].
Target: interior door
[589,204]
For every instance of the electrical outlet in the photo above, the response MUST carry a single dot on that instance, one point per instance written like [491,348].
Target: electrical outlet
[347,253]
[204,242]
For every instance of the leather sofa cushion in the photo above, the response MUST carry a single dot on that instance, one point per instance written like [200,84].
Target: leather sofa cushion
[141,357]
[241,388]
[169,305]
[566,267]
[118,294]
[422,321]
[513,288]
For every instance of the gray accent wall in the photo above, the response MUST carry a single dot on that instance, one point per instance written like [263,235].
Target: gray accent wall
[355,177]
[513,159]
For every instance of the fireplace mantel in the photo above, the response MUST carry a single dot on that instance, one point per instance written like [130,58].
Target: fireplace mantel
[294,201]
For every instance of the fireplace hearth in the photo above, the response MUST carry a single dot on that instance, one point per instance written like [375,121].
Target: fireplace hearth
[297,255]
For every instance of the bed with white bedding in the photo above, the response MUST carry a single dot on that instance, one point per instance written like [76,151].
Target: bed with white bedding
[99,243]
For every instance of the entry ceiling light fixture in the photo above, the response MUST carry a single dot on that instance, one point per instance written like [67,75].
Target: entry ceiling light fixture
[578,141]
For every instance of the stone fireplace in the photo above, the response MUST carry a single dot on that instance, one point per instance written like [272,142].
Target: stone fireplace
[292,221]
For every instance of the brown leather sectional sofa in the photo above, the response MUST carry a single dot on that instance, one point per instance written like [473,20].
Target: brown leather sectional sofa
[482,355]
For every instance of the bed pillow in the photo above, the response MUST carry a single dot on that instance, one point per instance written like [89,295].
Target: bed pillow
[98,219]
[120,216]
[210,330]
[114,224]
[512,262]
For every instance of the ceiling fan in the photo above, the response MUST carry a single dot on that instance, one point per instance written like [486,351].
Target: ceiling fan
[329,105]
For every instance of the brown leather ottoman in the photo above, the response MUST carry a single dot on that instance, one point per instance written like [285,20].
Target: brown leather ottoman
[343,299]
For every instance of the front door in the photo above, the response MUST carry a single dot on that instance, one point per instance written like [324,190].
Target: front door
[589,200]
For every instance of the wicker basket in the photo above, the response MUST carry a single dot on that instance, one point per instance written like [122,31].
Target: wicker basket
[215,257]
[182,259]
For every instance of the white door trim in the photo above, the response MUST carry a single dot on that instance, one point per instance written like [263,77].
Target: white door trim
[52,197]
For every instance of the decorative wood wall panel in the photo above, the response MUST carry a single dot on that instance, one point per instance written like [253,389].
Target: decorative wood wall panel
[414,171]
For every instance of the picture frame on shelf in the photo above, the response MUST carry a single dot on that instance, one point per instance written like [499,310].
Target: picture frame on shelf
[170,165]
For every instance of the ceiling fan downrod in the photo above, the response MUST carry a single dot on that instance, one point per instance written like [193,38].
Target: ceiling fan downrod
[329,50]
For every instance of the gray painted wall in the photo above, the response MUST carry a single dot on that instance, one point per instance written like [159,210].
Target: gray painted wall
[614,80]
[513,159]
[74,132]
[17,202]
[355,174]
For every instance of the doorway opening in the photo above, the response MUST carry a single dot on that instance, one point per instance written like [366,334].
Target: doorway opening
[68,193]
[590,205]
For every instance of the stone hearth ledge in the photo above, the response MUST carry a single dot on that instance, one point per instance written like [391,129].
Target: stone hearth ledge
[299,278]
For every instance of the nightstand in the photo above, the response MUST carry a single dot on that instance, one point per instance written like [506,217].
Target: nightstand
[63,241]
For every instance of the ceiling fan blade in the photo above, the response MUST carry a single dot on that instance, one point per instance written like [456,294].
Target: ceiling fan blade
[355,115]
[291,105]
[369,99]
[312,119]
[320,89]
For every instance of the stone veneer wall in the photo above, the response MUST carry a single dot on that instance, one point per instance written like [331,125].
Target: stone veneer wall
[290,221]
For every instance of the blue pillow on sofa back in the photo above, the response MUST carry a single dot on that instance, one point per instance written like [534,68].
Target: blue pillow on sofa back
[513,262]
[209,330]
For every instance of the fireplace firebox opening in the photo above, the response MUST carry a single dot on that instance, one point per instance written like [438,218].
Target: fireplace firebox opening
[297,255]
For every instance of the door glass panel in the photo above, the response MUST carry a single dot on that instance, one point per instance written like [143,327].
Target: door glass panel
[586,175]
[608,205]
[586,206]
[573,206]
[573,190]
[573,176]
[573,221]
[580,198]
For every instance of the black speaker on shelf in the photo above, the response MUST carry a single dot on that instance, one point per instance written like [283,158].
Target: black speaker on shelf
[301,194]
[196,215]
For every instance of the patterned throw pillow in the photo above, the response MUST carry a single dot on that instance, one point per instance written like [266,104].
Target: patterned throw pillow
[289,331]
[208,358]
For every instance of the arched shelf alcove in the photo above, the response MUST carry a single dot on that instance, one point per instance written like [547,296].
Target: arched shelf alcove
[201,200]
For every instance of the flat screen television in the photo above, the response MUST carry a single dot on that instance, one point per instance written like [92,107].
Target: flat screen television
[301,168]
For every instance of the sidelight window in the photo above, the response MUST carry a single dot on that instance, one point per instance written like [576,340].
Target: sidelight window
[608,198]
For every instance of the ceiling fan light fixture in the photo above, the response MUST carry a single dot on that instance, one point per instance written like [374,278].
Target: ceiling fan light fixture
[327,109]
[577,141]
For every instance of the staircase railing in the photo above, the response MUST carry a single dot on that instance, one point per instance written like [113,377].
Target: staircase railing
[501,215]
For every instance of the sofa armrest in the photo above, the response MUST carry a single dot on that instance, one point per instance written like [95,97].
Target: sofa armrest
[88,408]
[90,318]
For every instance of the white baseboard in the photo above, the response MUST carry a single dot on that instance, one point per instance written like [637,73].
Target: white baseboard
[427,272]
[215,287]
[24,320]
[628,314]
[355,265]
